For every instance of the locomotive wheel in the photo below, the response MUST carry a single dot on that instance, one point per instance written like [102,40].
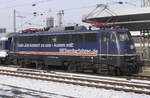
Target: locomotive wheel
[130,70]
[95,68]
[46,67]
[117,71]
[21,64]
[136,69]
[39,66]
[112,70]
[79,67]
[103,69]
[72,68]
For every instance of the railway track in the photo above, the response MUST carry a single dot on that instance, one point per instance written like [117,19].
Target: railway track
[61,72]
[136,76]
[118,84]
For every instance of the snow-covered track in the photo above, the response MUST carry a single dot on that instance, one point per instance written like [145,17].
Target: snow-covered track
[119,85]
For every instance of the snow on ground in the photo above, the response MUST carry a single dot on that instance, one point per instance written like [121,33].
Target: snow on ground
[13,92]
[60,90]
[8,68]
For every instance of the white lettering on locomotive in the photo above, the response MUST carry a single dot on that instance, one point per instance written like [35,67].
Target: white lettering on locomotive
[64,50]
[46,45]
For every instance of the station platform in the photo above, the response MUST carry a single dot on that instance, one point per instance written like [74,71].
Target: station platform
[145,71]
[146,62]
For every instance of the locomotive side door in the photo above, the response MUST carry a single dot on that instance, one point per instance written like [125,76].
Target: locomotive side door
[104,44]
[103,53]
[113,43]
[113,48]
[103,49]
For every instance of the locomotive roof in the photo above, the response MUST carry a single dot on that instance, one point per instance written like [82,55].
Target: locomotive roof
[61,33]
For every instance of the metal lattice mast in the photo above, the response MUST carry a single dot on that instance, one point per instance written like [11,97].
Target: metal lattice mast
[145,3]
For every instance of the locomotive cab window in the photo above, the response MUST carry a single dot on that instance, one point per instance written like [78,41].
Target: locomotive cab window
[123,36]
[1,45]
[112,36]
[28,39]
[104,37]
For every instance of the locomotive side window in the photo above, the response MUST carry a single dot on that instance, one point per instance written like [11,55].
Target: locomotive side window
[31,39]
[77,38]
[21,39]
[91,37]
[54,38]
[34,39]
[66,38]
[112,37]
[28,39]
[63,38]
[45,39]
[104,37]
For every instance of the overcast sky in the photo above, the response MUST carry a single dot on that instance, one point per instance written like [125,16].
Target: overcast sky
[73,9]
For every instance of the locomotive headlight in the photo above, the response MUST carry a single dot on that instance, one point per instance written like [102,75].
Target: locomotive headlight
[131,47]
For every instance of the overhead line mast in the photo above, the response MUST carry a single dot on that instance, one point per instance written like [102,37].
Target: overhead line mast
[14,20]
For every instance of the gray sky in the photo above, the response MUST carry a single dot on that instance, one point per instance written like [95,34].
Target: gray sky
[74,10]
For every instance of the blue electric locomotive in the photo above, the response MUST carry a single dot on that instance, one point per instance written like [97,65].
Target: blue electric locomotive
[3,50]
[107,52]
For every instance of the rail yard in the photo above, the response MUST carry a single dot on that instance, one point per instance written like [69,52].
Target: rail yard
[131,84]
[107,55]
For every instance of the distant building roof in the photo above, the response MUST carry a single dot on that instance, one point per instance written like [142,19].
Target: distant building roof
[2,30]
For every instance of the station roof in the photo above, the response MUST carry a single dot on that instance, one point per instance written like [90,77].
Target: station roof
[134,19]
